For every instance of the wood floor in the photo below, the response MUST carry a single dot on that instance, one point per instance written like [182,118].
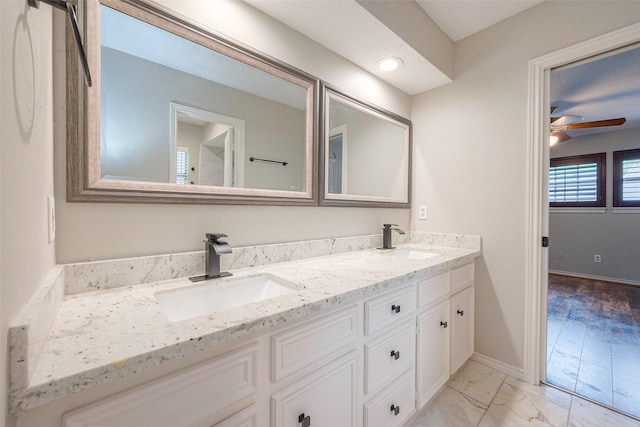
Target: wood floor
[593,340]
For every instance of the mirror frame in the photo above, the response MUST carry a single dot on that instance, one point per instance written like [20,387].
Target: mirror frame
[84,182]
[353,199]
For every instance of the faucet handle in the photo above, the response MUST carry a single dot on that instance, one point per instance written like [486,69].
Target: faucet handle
[389,225]
[213,237]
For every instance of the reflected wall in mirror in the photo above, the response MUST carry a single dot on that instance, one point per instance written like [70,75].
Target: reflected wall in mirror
[367,153]
[178,112]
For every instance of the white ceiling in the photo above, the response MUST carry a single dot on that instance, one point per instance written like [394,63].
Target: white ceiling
[594,90]
[462,18]
[350,30]
[600,88]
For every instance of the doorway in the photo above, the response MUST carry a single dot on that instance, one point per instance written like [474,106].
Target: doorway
[537,257]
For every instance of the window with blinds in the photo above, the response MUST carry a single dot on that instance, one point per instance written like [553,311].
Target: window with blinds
[182,165]
[626,178]
[577,181]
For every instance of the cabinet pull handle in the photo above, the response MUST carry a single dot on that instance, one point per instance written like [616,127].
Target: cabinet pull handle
[461,312]
[305,421]
[395,354]
[395,409]
[443,324]
[395,308]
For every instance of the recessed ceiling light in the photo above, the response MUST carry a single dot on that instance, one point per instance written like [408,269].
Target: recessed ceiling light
[389,64]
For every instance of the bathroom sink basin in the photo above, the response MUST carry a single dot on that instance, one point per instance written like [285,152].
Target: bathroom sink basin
[186,303]
[413,254]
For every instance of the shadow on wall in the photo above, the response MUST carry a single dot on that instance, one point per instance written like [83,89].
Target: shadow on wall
[24,87]
[492,336]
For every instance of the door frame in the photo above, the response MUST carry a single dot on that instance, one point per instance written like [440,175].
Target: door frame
[537,206]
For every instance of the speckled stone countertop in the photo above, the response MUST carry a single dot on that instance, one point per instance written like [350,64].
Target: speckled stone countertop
[103,335]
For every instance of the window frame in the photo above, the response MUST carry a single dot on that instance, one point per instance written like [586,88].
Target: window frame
[618,181]
[601,160]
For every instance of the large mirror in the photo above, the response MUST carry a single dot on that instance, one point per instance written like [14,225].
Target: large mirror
[366,154]
[177,114]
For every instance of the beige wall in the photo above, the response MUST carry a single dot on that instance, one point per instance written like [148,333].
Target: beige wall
[470,152]
[26,172]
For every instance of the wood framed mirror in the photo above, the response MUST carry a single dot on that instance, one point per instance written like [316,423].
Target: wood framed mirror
[179,114]
[365,152]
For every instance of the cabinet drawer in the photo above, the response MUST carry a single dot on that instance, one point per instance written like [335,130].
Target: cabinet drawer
[386,309]
[190,397]
[388,356]
[461,277]
[315,341]
[327,397]
[433,289]
[392,406]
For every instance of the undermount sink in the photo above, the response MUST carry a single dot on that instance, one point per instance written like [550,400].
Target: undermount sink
[186,303]
[413,254]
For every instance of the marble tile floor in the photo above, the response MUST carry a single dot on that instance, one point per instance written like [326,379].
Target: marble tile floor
[480,396]
[593,340]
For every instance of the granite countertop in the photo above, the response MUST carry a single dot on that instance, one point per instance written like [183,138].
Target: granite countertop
[103,335]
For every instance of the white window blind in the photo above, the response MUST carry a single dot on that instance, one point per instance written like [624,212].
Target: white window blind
[631,180]
[182,165]
[573,183]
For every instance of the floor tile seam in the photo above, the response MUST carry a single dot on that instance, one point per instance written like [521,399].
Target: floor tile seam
[492,399]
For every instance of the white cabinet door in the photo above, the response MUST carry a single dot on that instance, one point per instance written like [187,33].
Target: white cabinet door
[461,328]
[327,397]
[432,363]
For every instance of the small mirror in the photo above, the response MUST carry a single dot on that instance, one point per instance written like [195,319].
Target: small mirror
[367,154]
[182,115]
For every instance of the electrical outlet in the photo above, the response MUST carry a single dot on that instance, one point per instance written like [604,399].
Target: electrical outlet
[51,218]
[422,212]
[597,258]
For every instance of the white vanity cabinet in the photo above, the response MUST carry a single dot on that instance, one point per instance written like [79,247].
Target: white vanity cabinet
[444,328]
[462,315]
[327,397]
[371,363]
[196,396]
[389,357]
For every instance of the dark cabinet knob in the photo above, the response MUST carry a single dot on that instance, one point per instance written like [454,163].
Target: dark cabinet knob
[395,409]
[461,312]
[444,324]
[395,308]
[395,354]
[304,421]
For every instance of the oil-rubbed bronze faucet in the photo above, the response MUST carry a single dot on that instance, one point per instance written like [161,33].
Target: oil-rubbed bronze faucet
[214,247]
[386,235]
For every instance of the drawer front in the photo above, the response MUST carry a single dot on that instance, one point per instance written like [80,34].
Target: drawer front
[319,340]
[383,311]
[388,356]
[202,391]
[392,406]
[433,289]
[325,398]
[461,277]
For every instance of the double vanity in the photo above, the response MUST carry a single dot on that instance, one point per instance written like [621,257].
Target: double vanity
[339,334]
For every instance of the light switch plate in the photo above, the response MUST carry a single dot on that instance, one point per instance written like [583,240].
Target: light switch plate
[51,218]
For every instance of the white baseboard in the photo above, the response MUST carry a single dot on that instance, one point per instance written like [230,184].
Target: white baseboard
[589,276]
[514,371]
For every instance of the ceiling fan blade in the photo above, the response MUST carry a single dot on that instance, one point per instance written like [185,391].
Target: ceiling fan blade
[565,120]
[597,124]
[557,137]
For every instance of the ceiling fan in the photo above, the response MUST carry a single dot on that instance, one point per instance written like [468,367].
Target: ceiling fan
[559,124]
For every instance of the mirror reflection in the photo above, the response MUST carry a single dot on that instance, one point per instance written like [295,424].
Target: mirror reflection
[173,111]
[366,152]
